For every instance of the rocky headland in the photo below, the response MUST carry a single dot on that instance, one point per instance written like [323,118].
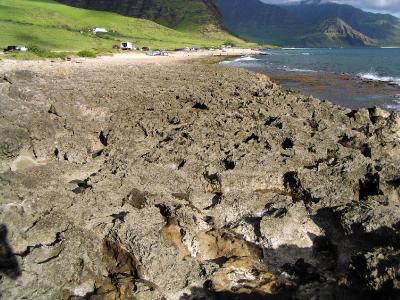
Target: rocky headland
[190,181]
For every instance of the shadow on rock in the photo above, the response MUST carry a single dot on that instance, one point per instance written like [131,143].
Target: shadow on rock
[346,263]
[8,262]
[205,294]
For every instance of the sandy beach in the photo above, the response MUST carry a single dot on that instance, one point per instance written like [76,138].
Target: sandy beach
[127,58]
[135,177]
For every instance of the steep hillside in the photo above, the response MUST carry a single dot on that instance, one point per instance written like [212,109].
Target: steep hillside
[309,24]
[376,26]
[335,32]
[257,21]
[179,14]
[56,26]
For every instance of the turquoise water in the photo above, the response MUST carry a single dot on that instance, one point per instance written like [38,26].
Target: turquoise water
[373,65]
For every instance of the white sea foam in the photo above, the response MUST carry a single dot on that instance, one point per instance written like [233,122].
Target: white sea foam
[295,48]
[288,69]
[376,77]
[240,59]
[246,58]
[395,106]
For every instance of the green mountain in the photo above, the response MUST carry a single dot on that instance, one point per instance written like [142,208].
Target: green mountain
[55,26]
[177,14]
[335,32]
[263,23]
[312,23]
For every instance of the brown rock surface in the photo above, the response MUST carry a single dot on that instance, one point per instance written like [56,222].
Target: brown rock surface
[186,181]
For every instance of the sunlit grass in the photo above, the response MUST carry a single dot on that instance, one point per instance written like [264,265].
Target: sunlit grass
[55,26]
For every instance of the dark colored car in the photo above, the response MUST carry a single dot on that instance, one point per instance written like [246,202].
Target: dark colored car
[15,48]
[10,48]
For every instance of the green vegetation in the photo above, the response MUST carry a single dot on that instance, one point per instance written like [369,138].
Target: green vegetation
[86,53]
[54,26]
[183,15]
[315,23]
[45,53]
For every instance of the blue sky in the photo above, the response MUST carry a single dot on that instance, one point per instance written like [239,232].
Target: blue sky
[385,6]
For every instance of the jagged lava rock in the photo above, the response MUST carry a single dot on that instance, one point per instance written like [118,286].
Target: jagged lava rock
[191,181]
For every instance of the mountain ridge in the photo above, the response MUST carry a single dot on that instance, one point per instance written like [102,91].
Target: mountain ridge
[334,32]
[299,24]
[55,26]
[176,14]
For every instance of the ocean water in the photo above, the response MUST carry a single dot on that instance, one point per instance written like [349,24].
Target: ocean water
[354,78]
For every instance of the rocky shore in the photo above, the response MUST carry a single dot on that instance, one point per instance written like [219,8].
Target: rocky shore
[190,181]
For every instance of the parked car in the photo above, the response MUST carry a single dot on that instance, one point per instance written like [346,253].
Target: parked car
[99,30]
[15,49]
[126,46]
[145,49]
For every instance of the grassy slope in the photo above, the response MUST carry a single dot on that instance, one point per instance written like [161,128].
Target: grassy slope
[299,25]
[188,15]
[395,37]
[55,26]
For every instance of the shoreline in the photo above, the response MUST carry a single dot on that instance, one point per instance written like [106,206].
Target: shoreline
[132,58]
[361,90]
[305,82]
[346,90]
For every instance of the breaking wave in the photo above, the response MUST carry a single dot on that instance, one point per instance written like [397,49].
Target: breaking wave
[298,70]
[246,58]
[395,106]
[376,77]
[240,59]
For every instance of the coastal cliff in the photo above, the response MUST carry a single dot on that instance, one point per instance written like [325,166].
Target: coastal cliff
[189,181]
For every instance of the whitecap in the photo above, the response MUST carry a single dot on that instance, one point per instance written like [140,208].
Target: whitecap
[395,106]
[246,58]
[286,48]
[373,76]
[288,69]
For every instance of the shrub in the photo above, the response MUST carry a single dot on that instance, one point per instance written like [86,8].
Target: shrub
[42,53]
[86,53]
[231,43]
[111,35]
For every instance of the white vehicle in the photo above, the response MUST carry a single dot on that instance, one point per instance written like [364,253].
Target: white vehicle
[126,46]
[154,53]
[99,30]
